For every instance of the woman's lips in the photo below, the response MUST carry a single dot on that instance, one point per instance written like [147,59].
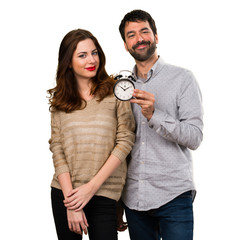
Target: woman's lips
[91,68]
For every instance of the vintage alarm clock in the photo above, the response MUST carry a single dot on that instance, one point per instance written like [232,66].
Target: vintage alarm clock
[124,87]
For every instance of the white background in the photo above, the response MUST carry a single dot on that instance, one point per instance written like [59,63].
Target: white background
[199,35]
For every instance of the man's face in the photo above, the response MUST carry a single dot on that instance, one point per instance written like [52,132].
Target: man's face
[140,41]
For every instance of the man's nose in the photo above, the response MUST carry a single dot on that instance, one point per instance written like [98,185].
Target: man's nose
[139,38]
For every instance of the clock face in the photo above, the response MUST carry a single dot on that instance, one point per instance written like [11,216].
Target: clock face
[123,89]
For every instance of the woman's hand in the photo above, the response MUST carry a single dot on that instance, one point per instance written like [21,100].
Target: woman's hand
[77,221]
[79,197]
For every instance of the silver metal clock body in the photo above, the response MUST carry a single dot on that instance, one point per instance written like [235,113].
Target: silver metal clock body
[123,89]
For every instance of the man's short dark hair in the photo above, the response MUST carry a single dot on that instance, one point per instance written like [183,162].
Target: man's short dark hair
[137,16]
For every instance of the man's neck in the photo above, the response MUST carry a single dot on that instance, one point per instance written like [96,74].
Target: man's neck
[144,67]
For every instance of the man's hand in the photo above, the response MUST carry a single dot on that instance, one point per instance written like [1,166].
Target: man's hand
[146,101]
[121,225]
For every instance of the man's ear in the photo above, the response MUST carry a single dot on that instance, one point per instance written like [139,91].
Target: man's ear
[156,38]
[125,46]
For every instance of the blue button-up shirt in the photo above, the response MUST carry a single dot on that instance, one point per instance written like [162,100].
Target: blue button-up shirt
[160,168]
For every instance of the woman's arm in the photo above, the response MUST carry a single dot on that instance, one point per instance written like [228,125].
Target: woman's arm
[76,221]
[65,182]
[79,197]
[58,155]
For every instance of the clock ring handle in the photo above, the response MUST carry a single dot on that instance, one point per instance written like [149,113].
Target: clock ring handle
[131,76]
[117,77]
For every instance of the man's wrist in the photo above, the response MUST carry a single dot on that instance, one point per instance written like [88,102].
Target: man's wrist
[150,116]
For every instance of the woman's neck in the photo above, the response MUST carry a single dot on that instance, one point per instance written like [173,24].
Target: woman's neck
[84,86]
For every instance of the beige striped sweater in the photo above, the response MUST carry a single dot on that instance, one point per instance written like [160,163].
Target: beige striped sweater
[83,140]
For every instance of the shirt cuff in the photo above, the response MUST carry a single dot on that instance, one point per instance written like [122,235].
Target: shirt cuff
[157,119]
[61,170]
[119,154]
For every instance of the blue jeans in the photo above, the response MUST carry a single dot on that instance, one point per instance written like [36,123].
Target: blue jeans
[172,221]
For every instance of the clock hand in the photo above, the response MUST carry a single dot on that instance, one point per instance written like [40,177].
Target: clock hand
[126,88]
[123,88]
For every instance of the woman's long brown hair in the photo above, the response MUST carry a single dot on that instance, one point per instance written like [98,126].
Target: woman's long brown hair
[65,96]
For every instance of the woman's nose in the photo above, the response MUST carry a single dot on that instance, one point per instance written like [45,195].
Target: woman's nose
[91,59]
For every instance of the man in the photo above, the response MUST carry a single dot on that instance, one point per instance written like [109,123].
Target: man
[159,191]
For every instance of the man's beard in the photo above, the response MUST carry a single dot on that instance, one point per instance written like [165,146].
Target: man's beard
[143,56]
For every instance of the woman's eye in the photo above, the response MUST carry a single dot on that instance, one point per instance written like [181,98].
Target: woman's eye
[82,56]
[95,53]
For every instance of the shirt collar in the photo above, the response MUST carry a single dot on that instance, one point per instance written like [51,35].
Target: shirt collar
[157,67]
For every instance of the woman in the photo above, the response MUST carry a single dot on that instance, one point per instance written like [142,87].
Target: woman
[92,133]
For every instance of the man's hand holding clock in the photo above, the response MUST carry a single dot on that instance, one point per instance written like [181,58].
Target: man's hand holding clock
[124,90]
[146,101]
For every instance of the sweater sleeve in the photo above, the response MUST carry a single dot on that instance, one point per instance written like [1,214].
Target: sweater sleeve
[56,148]
[125,135]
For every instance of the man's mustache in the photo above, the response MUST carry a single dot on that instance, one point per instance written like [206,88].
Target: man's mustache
[141,43]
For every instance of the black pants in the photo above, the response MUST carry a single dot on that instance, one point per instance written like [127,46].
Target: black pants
[100,213]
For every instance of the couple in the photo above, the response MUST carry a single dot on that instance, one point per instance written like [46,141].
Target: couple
[93,132]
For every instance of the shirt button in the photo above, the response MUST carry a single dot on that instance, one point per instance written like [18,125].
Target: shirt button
[143,123]
[142,143]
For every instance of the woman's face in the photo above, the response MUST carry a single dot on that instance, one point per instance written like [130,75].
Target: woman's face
[85,60]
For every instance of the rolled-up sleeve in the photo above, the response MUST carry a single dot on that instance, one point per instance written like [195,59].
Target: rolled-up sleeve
[56,148]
